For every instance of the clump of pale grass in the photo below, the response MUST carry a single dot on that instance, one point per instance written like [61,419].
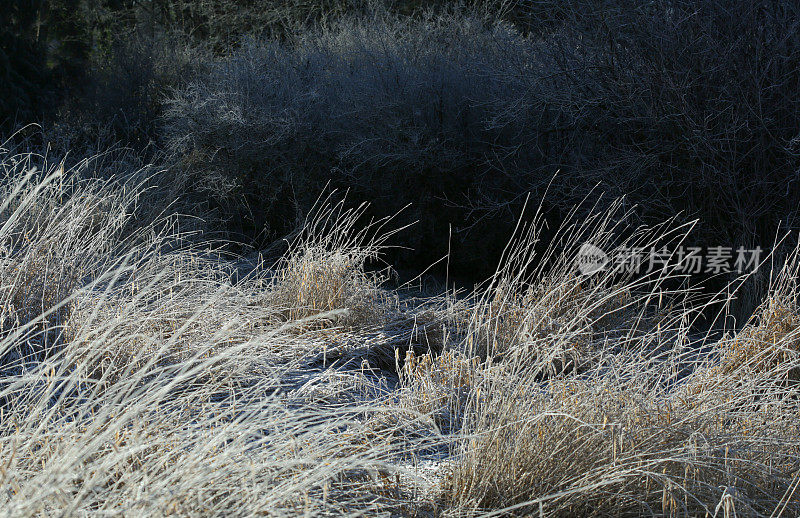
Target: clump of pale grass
[770,340]
[540,307]
[149,449]
[438,387]
[324,270]
[604,445]
[625,432]
[166,308]
[58,231]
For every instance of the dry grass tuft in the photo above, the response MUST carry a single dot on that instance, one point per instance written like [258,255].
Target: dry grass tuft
[769,341]
[58,233]
[541,312]
[324,270]
[595,447]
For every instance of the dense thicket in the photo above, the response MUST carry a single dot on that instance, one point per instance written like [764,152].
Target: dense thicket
[54,51]
[685,108]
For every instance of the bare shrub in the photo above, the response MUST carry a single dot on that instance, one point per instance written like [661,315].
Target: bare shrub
[394,109]
[683,107]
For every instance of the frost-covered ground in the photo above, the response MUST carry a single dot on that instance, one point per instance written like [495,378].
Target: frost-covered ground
[144,374]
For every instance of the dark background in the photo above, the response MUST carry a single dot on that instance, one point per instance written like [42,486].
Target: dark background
[688,109]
